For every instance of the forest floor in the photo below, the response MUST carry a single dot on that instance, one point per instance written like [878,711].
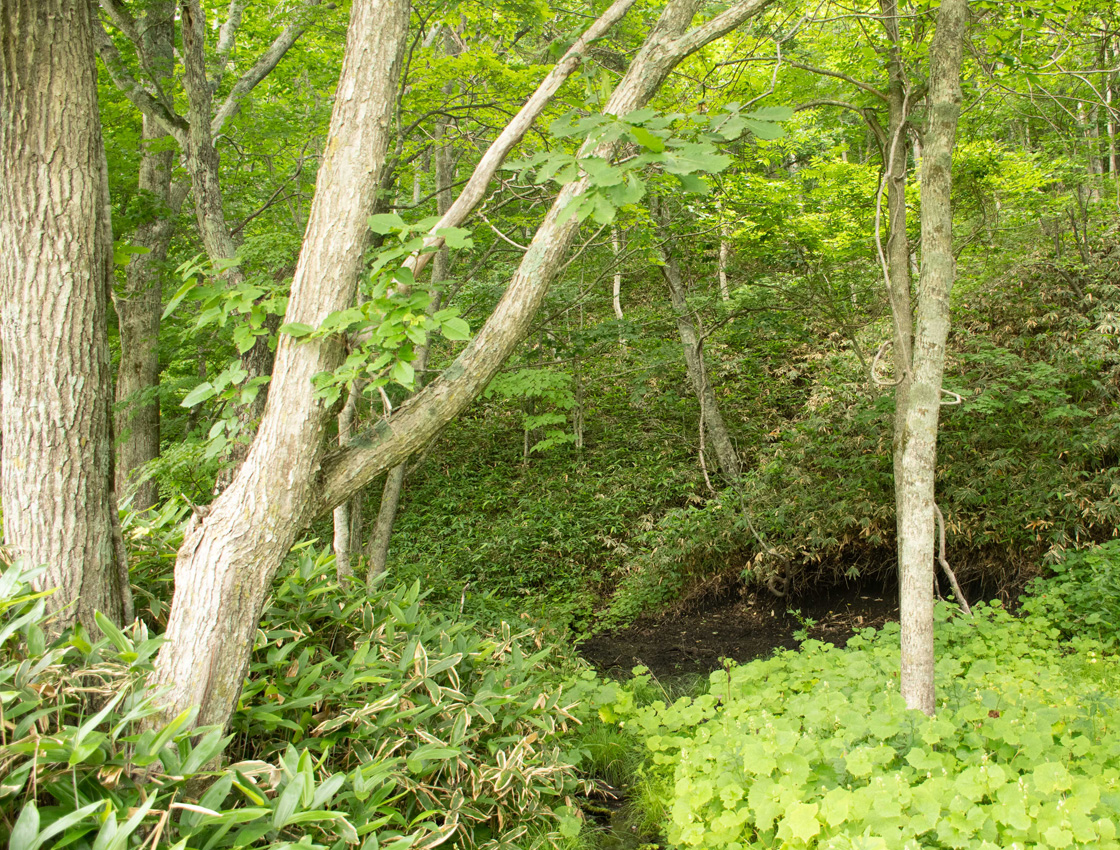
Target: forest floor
[741,627]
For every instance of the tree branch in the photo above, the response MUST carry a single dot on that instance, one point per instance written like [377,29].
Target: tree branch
[137,95]
[857,83]
[262,67]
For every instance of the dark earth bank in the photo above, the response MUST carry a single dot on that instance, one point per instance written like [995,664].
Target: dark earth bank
[740,626]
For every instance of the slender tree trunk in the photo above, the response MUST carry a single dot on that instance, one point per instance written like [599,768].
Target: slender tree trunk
[56,267]
[377,553]
[711,418]
[203,164]
[138,303]
[343,532]
[915,486]
[227,561]
[616,287]
[724,256]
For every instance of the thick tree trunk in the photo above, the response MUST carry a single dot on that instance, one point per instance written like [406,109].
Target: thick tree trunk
[711,418]
[139,302]
[226,564]
[56,266]
[915,486]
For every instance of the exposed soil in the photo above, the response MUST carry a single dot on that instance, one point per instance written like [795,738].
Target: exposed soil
[742,628]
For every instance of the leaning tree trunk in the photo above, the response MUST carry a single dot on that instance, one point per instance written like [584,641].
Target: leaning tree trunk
[227,561]
[915,487]
[56,266]
[710,416]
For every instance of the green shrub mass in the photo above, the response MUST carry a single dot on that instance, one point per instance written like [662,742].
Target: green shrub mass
[815,748]
[368,720]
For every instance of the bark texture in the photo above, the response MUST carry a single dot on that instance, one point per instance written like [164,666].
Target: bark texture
[56,265]
[227,562]
[139,302]
[915,487]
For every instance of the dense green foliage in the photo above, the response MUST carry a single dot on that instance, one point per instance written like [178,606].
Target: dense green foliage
[368,720]
[815,748]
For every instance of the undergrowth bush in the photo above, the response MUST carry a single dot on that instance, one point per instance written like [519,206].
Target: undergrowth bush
[816,749]
[368,721]
[1082,594]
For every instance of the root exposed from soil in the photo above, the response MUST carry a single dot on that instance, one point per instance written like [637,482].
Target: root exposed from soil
[740,628]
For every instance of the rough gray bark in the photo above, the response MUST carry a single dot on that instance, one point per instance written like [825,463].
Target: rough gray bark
[915,486]
[710,416]
[138,302]
[227,560]
[56,266]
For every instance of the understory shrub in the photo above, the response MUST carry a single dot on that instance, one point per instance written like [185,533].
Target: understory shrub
[1082,593]
[368,721]
[816,749]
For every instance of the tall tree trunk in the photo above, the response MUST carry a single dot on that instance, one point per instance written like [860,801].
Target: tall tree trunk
[203,164]
[915,486]
[711,418]
[219,583]
[138,303]
[227,561]
[56,267]
[377,553]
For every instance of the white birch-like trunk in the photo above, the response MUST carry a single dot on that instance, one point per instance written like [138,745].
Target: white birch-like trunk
[915,485]
[56,266]
[724,256]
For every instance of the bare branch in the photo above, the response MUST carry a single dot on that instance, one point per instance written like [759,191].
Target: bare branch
[227,35]
[514,131]
[857,83]
[961,599]
[263,66]
[137,95]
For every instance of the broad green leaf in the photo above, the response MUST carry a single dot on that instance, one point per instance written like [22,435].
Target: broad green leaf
[647,139]
[385,223]
[296,329]
[403,373]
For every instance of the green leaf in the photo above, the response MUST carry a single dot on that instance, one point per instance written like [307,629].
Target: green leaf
[765,130]
[456,237]
[455,329]
[403,373]
[385,223]
[243,338]
[179,295]
[647,139]
[296,329]
[199,394]
[800,822]
[26,829]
